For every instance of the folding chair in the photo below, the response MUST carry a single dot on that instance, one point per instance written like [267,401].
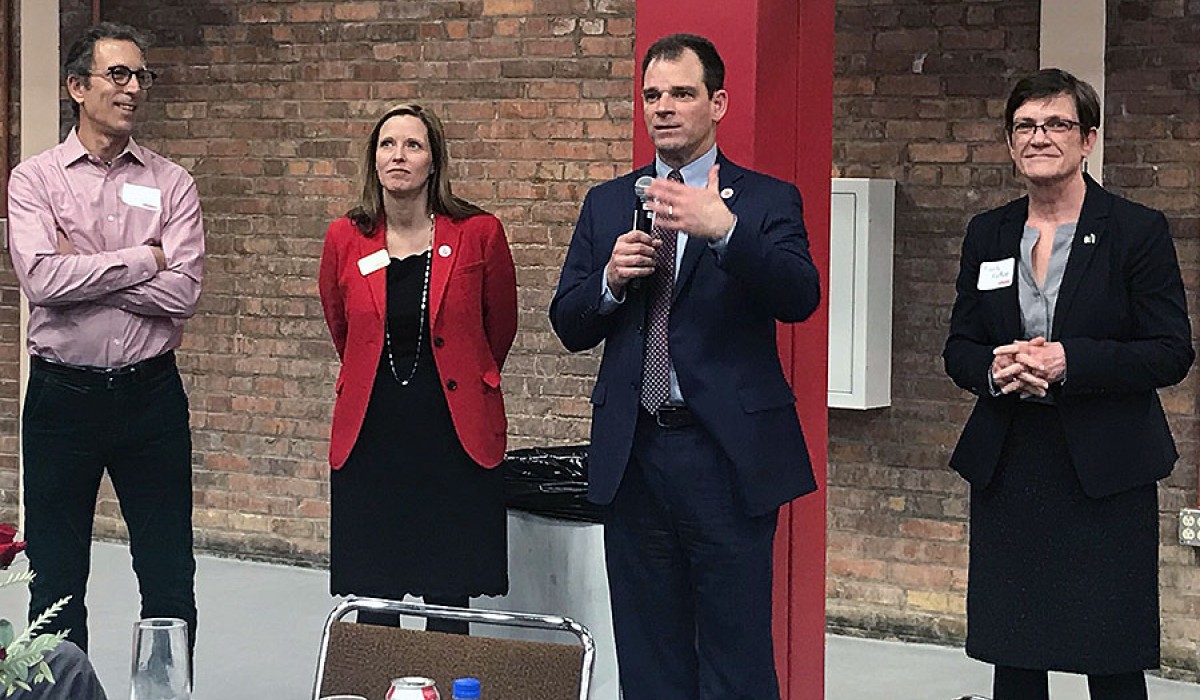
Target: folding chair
[361,659]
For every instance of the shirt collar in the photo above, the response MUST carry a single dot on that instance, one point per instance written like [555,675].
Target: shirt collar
[695,174]
[74,150]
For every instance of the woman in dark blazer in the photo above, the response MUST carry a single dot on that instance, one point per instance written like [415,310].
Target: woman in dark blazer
[1070,315]
[419,292]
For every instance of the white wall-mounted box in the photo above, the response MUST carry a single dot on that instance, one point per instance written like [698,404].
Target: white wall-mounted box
[862,218]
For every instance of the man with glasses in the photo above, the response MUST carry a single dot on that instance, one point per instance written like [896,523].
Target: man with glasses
[107,244]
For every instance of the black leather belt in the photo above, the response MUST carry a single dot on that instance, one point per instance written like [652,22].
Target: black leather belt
[673,417]
[97,375]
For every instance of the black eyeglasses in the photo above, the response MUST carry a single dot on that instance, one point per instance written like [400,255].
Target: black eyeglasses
[1026,129]
[121,75]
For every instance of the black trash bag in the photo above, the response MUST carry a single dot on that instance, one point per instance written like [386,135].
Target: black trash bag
[549,481]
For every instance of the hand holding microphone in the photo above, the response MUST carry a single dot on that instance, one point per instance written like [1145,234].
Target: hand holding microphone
[633,253]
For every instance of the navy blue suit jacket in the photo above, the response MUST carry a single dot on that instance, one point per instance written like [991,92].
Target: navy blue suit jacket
[722,334]
[1122,318]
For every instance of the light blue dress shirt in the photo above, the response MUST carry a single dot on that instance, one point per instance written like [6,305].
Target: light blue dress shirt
[695,174]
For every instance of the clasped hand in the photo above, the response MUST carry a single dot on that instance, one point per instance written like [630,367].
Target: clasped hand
[1028,366]
[697,211]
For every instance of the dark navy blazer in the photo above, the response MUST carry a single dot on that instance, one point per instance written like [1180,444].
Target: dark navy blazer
[1122,318]
[722,334]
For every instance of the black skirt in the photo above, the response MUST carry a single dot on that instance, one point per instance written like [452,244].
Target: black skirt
[411,512]
[1060,581]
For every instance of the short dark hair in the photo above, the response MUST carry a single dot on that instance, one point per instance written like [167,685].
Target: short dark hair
[672,47]
[1051,82]
[79,57]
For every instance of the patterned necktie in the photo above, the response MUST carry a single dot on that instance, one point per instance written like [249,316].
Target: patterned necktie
[656,357]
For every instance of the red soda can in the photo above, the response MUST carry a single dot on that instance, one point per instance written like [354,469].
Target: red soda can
[413,688]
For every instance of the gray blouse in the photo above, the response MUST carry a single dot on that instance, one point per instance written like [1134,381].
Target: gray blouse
[1037,303]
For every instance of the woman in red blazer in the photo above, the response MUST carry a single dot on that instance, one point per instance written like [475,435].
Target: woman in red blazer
[419,292]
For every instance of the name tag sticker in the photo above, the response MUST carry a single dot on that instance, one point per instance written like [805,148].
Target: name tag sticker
[375,261]
[141,196]
[996,274]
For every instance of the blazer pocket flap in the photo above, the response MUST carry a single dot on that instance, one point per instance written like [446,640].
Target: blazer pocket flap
[491,377]
[599,393]
[765,398]
[468,268]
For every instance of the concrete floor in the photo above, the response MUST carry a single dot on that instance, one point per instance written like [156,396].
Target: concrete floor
[260,628]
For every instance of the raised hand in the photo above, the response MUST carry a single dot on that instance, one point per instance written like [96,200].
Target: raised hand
[697,211]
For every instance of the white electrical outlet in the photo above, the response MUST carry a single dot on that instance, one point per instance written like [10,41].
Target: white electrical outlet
[1189,527]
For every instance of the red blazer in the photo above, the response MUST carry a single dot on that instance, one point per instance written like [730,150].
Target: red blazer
[472,320]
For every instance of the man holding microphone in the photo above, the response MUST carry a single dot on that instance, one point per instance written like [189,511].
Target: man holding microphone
[695,439]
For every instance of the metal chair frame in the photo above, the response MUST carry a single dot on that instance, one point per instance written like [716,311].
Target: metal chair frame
[552,623]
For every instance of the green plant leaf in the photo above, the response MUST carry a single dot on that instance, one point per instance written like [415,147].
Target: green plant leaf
[41,621]
[17,577]
[43,673]
[26,652]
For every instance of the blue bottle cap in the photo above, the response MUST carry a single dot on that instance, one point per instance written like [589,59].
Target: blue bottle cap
[466,688]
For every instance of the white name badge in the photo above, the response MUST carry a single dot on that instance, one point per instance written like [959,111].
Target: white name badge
[996,274]
[375,261]
[141,196]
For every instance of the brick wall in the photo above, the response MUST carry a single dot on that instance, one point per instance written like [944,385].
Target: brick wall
[267,104]
[1152,155]
[919,98]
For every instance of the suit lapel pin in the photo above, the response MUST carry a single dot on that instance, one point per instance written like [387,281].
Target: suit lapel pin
[727,193]
[444,251]
[1089,239]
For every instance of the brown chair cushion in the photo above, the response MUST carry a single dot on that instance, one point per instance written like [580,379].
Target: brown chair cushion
[362,659]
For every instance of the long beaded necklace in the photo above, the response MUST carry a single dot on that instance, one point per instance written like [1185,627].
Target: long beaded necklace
[387,334]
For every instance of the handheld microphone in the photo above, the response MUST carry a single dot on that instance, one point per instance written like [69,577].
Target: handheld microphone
[641,217]
[642,220]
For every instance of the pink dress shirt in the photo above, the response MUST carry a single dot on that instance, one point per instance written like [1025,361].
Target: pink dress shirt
[104,303]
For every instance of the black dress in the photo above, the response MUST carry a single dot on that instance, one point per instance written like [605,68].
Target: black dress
[411,512]
[1060,581]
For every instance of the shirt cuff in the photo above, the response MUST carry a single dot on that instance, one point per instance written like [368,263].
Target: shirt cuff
[141,259]
[719,245]
[608,301]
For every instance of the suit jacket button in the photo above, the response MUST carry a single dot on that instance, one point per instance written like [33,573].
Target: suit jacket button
[451,385]
[438,342]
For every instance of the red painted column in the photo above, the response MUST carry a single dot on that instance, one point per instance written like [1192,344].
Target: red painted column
[779,74]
